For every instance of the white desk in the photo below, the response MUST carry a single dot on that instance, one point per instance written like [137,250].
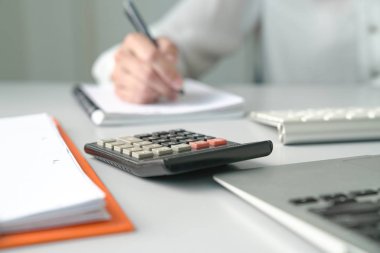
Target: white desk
[190,213]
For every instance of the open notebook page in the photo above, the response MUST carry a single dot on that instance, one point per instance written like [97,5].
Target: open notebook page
[38,174]
[197,98]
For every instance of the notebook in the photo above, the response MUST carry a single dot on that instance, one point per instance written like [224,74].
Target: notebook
[46,195]
[199,102]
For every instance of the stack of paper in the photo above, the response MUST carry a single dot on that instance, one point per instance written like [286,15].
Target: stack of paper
[41,184]
[199,102]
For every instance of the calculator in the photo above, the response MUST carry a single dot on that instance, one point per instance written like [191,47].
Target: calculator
[172,152]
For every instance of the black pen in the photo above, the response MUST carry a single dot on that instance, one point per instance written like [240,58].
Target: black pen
[138,23]
[136,19]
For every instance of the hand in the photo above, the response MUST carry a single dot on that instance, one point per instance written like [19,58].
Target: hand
[144,73]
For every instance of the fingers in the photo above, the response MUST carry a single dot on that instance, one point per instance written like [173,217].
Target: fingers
[168,48]
[130,89]
[145,73]
[140,46]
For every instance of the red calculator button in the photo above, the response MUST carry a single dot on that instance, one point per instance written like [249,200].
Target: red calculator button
[199,144]
[217,142]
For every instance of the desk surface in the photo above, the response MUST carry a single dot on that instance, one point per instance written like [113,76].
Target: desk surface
[191,213]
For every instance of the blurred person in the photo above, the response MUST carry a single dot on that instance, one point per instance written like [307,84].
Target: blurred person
[301,41]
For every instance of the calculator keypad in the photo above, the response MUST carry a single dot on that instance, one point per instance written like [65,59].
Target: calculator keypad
[161,143]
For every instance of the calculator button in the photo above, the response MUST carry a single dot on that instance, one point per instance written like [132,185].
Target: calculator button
[152,146]
[171,143]
[130,139]
[165,144]
[181,148]
[103,142]
[128,151]
[121,147]
[199,145]
[160,133]
[217,142]
[110,145]
[142,143]
[159,141]
[142,154]
[140,136]
[162,151]
[153,138]
[198,136]
[208,138]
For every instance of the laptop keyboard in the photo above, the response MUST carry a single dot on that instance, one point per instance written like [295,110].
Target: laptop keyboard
[357,210]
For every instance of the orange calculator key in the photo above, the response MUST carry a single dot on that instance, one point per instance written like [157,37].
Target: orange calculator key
[199,144]
[217,142]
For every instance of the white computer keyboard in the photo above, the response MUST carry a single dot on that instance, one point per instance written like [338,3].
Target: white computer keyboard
[323,125]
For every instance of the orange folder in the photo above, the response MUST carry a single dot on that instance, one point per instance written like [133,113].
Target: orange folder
[118,222]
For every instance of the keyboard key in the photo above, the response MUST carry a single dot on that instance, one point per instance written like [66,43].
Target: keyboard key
[333,196]
[103,142]
[217,142]
[348,208]
[144,154]
[357,220]
[199,145]
[181,148]
[121,147]
[372,232]
[343,200]
[162,151]
[363,193]
[305,200]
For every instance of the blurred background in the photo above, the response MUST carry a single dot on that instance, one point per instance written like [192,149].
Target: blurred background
[55,40]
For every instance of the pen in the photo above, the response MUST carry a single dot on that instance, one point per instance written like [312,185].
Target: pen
[137,20]
[138,23]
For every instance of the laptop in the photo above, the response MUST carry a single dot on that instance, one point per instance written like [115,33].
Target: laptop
[334,204]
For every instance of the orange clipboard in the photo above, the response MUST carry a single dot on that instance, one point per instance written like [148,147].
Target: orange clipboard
[118,222]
